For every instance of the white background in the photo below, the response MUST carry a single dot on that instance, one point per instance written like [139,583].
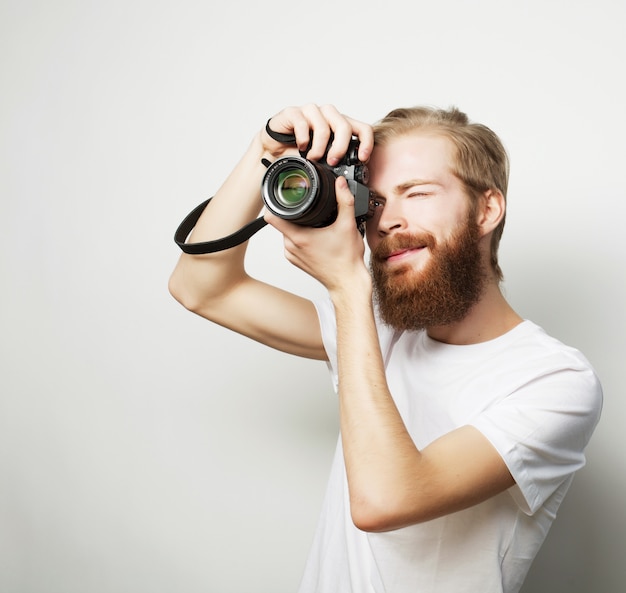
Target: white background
[145,450]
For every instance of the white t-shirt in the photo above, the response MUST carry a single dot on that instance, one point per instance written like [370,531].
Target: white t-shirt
[535,399]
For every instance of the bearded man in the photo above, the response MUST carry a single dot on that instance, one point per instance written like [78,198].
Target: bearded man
[462,424]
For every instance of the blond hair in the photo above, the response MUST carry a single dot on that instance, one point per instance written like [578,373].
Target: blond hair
[481,161]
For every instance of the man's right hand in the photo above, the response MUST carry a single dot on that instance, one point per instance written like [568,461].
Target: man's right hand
[313,126]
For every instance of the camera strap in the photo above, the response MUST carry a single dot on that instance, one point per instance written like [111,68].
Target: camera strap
[236,238]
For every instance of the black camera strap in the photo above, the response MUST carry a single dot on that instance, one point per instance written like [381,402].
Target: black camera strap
[236,238]
[282,138]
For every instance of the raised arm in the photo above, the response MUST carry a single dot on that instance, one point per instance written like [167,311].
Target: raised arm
[392,483]
[216,286]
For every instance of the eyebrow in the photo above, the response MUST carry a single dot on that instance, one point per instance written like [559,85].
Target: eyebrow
[402,187]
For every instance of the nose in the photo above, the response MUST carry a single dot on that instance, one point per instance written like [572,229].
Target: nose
[392,218]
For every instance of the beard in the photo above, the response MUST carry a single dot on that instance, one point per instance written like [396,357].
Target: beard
[442,293]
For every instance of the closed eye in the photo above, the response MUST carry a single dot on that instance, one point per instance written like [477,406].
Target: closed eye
[417,188]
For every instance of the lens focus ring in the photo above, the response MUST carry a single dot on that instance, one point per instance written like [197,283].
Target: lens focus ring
[301,191]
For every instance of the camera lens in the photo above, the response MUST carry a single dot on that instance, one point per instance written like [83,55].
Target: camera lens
[292,187]
[301,191]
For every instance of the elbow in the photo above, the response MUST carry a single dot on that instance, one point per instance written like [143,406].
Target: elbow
[181,293]
[376,516]
[175,289]
[370,523]
[389,509]
[196,298]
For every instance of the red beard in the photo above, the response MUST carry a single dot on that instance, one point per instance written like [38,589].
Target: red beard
[440,294]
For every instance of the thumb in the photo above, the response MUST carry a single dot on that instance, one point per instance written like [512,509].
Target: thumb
[345,198]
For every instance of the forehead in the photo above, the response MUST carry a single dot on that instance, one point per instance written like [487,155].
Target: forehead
[417,155]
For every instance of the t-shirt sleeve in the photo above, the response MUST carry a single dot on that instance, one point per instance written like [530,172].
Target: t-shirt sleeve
[328,326]
[541,430]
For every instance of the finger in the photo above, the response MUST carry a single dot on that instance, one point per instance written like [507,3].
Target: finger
[365,133]
[314,127]
[291,233]
[344,129]
[345,199]
[285,227]
[292,123]
[317,134]
[331,131]
[272,219]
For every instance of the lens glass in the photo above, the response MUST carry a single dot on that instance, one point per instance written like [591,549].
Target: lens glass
[292,187]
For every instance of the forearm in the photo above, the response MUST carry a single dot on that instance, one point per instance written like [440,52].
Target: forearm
[381,458]
[391,482]
[236,203]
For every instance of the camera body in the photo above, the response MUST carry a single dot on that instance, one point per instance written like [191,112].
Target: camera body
[303,191]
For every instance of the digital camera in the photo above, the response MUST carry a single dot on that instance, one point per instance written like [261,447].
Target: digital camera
[303,191]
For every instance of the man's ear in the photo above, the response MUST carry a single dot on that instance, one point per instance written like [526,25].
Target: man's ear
[491,210]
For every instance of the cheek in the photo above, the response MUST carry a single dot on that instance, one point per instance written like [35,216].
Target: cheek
[442,220]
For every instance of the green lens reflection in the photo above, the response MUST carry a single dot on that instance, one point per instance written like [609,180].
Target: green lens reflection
[292,187]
